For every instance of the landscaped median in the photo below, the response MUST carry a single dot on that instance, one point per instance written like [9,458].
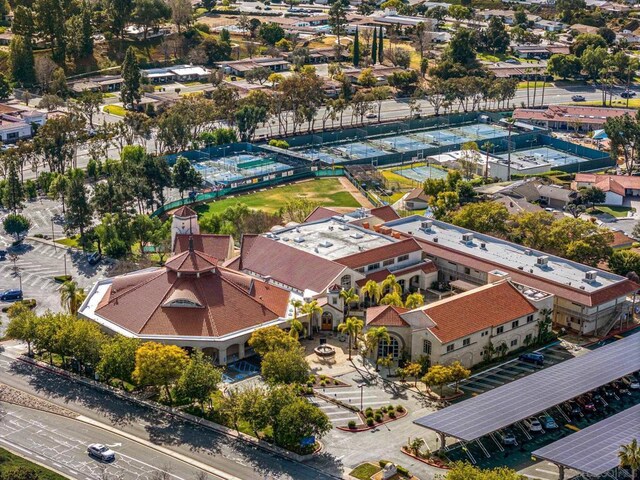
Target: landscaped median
[368,471]
[414,449]
[371,418]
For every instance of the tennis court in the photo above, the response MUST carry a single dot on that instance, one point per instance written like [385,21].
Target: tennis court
[556,158]
[359,150]
[420,174]
[236,167]
[401,143]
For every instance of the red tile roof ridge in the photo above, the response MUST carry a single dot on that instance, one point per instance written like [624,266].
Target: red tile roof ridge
[258,301]
[118,293]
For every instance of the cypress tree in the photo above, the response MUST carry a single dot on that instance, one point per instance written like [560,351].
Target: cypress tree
[21,61]
[374,47]
[356,49]
[380,46]
[130,91]
[87,30]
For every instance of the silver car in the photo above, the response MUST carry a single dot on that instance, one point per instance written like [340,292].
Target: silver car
[101,452]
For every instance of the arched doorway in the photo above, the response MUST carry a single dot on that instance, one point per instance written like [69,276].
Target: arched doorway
[327,321]
[389,348]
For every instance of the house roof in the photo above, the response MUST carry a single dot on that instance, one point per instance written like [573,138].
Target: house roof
[217,246]
[556,193]
[191,261]
[614,183]
[571,114]
[320,213]
[378,254]
[385,213]
[184,212]
[287,265]
[163,302]
[386,316]
[417,194]
[492,305]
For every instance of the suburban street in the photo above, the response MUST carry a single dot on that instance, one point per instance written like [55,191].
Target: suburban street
[235,458]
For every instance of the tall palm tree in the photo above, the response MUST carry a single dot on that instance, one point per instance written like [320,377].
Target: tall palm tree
[390,284]
[392,298]
[372,290]
[348,296]
[414,300]
[352,326]
[629,456]
[486,146]
[71,297]
[312,309]
[296,304]
[375,336]
[296,328]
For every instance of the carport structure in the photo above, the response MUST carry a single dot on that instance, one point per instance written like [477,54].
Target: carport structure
[509,404]
[594,450]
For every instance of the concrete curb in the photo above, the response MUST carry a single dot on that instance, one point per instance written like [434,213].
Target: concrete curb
[8,446]
[173,412]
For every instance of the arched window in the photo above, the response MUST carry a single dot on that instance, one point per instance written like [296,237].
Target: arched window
[345,282]
[389,348]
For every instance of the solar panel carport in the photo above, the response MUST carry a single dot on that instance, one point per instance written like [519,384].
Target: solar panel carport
[515,401]
[594,450]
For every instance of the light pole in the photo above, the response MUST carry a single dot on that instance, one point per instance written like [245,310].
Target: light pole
[65,264]
[53,238]
[361,387]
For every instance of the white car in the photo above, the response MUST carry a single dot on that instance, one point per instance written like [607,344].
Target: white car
[371,115]
[533,424]
[101,452]
[631,382]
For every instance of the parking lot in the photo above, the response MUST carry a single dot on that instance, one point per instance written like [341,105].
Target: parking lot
[515,369]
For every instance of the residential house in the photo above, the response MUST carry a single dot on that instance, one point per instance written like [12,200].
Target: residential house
[240,67]
[539,51]
[102,83]
[177,73]
[416,199]
[550,25]
[17,122]
[617,188]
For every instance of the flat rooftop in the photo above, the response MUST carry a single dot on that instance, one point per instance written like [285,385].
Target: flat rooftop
[507,254]
[331,238]
[535,393]
[594,450]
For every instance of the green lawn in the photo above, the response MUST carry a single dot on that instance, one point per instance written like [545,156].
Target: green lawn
[365,471]
[633,103]
[69,242]
[9,461]
[115,110]
[328,192]
[532,85]
[620,212]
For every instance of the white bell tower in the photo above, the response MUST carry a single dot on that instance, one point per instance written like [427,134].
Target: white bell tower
[185,221]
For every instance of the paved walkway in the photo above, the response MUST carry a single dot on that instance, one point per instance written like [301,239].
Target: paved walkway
[351,188]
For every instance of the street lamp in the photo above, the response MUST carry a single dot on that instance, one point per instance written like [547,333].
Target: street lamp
[361,387]
[53,238]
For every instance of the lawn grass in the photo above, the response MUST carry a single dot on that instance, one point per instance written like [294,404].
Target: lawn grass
[69,241]
[328,192]
[532,85]
[115,110]
[633,103]
[619,212]
[9,461]
[365,471]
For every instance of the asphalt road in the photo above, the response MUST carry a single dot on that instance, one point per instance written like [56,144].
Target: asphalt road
[228,455]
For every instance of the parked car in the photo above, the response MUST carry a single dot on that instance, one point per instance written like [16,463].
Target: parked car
[94,258]
[101,452]
[512,61]
[533,424]
[620,388]
[631,382]
[578,98]
[628,94]
[572,408]
[507,437]
[371,115]
[547,422]
[606,393]
[11,295]
[532,357]
[586,404]
[3,255]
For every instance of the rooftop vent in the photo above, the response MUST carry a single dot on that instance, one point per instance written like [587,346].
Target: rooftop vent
[542,261]
[325,244]
[298,239]
[520,267]
[527,252]
[591,276]
[426,225]
[343,227]
[435,239]
[467,237]
[483,245]
[356,235]
[297,230]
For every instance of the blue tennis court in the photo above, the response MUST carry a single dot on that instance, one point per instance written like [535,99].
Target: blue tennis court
[550,155]
[420,174]
[358,150]
[225,170]
[402,143]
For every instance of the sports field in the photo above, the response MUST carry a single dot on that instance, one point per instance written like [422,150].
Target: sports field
[328,192]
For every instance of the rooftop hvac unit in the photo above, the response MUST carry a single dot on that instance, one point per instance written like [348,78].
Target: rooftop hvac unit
[527,252]
[298,239]
[325,244]
[542,261]
[356,235]
[343,227]
[467,237]
[483,245]
[426,225]
[591,275]
[435,239]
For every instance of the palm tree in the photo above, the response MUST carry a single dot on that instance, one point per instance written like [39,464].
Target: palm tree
[372,290]
[71,297]
[348,296]
[296,304]
[486,146]
[375,336]
[629,456]
[352,327]
[296,328]
[391,285]
[312,309]
[392,298]
[414,300]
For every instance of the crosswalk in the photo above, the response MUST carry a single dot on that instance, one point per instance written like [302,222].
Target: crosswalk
[340,416]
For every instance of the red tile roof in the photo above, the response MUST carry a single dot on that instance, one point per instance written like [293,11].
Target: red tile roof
[287,265]
[184,212]
[191,262]
[485,307]
[217,246]
[213,304]
[614,183]
[386,316]
[320,213]
[392,250]
[386,213]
